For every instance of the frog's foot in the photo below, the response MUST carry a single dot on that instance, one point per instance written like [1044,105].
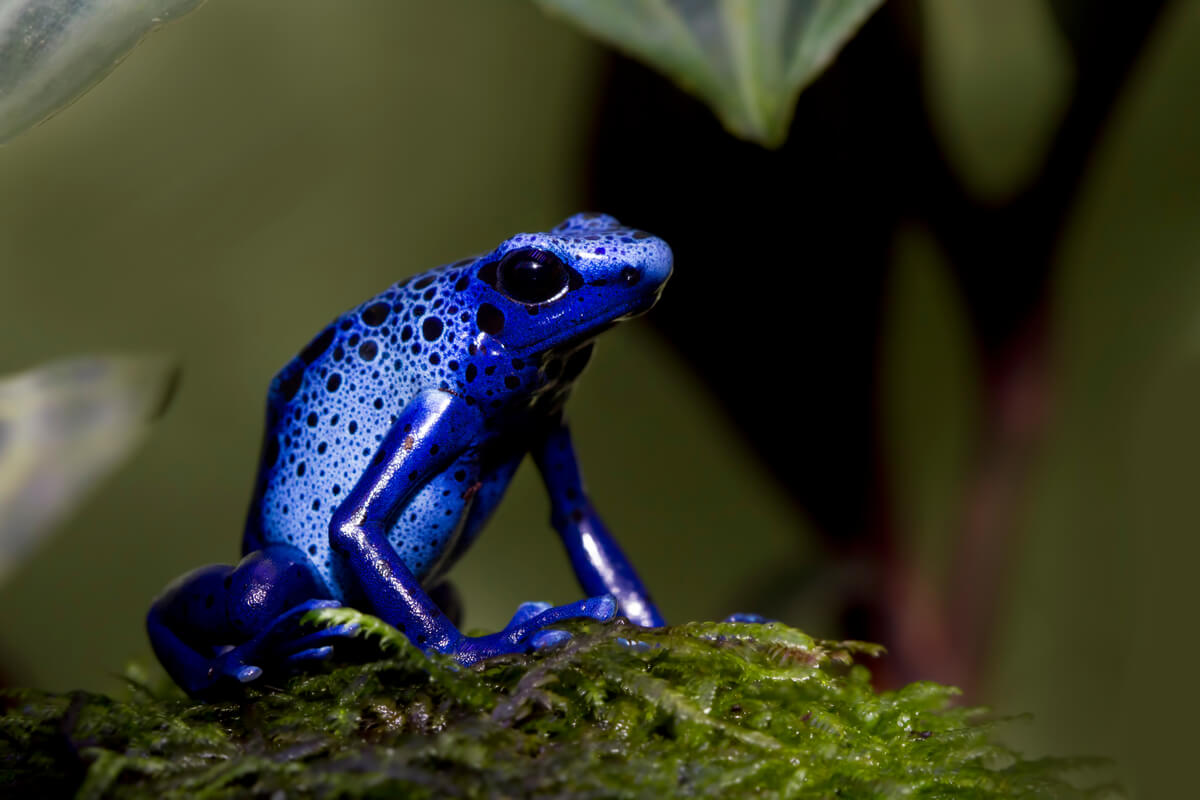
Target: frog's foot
[746,617]
[285,641]
[526,612]
[527,631]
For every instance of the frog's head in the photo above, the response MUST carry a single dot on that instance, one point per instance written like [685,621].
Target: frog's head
[540,290]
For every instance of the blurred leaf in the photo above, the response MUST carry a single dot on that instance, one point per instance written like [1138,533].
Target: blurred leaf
[997,78]
[1110,542]
[63,427]
[748,59]
[52,51]
[1163,464]
[931,396]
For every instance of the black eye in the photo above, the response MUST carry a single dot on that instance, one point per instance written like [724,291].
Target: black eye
[531,276]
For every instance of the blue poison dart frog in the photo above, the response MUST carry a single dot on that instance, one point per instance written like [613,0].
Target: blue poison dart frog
[389,441]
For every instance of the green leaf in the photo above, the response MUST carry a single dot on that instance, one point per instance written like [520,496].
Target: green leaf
[1107,583]
[748,59]
[998,77]
[52,51]
[931,397]
[63,427]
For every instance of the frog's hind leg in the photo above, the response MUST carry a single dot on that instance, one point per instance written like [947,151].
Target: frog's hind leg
[219,621]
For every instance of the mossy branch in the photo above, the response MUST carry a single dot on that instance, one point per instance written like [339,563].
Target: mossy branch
[697,710]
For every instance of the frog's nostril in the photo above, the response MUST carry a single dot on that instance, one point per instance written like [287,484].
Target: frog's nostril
[630,276]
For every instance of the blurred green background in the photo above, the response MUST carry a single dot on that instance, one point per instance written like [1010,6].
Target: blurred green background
[258,167]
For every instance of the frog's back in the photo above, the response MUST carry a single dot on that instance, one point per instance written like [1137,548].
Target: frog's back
[330,407]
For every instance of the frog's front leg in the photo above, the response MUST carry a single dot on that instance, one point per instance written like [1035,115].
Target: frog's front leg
[599,563]
[432,431]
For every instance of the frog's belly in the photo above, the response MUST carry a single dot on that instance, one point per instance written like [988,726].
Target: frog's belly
[423,535]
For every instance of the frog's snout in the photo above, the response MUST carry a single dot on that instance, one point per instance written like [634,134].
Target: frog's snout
[658,265]
[650,273]
[628,267]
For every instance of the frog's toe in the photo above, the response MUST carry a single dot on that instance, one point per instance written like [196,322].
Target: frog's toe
[313,654]
[544,640]
[231,666]
[601,609]
[247,673]
[322,636]
[747,617]
[290,626]
[526,612]
[298,611]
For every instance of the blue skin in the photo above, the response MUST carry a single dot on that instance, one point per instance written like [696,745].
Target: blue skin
[391,438]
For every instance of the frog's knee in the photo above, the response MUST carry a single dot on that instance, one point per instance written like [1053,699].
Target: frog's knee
[265,585]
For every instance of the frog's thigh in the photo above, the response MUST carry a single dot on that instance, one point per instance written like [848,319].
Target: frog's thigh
[220,606]
[267,583]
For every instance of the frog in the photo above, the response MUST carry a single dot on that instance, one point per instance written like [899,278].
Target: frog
[389,441]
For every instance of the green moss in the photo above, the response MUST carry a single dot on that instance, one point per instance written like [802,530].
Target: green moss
[697,710]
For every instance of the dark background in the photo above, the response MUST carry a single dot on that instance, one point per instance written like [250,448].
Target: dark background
[927,375]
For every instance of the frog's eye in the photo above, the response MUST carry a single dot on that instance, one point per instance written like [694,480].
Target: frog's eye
[532,276]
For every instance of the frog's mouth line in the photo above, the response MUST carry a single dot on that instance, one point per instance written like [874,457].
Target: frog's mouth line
[638,309]
[591,327]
